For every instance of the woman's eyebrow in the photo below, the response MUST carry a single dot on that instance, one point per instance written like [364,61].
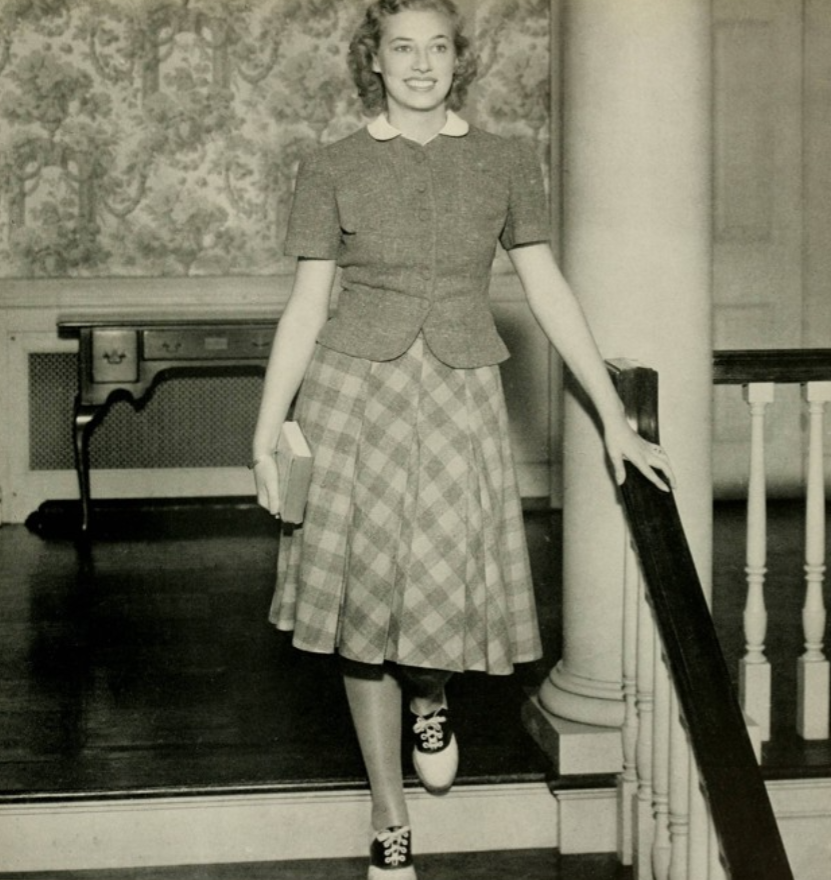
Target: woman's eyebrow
[412,40]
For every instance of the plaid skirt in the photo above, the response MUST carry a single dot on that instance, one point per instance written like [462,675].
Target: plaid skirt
[413,546]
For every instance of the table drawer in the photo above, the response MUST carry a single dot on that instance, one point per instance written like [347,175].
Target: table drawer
[207,343]
[114,355]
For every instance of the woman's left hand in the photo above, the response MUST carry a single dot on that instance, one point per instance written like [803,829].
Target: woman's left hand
[624,444]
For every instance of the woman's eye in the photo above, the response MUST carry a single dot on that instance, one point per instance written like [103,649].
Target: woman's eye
[441,47]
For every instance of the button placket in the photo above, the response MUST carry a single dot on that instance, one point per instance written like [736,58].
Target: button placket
[424,214]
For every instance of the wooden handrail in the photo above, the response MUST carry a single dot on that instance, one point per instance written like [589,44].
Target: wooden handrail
[787,365]
[751,844]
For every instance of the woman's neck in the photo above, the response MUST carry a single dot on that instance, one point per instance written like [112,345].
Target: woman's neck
[418,126]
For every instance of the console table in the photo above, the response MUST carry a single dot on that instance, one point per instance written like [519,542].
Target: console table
[124,357]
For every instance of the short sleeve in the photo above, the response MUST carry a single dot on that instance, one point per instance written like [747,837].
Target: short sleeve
[527,219]
[313,227]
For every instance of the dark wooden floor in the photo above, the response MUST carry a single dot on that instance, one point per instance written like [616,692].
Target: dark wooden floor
[143,663]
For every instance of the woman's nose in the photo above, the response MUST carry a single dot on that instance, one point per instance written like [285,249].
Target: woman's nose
[421,60]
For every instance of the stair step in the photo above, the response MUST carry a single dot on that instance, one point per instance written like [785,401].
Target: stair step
[532,864]
[263,826]
[213,833]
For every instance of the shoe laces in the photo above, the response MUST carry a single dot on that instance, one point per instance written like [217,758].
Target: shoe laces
[430,729]
[396,844]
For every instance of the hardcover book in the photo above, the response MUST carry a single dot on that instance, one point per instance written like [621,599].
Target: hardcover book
[294,466]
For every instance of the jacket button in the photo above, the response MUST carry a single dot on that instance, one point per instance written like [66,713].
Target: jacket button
[424,214]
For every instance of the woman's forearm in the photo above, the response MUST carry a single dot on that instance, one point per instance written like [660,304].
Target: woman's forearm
[562,320]
[294,342]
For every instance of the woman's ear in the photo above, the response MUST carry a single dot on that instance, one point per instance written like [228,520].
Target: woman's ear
[376,67]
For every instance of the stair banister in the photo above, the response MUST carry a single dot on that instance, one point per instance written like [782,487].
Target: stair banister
[748,836]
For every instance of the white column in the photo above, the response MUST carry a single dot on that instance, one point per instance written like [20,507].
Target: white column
[637,251]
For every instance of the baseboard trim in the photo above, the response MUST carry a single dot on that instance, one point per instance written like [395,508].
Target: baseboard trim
[277,826]
[217,829]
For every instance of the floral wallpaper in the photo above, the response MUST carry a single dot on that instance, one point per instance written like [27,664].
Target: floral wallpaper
[160,137]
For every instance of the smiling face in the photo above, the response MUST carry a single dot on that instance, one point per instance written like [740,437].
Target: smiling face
[416,60]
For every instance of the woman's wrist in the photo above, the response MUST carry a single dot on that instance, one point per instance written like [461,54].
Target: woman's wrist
[263,445]
[614,415]
[257,458]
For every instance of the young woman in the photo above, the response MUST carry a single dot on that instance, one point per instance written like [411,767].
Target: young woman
[411,563]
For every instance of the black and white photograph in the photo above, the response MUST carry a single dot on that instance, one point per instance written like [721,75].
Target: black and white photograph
[414,439]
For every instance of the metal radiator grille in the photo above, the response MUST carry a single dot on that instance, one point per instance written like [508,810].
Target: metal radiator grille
[51,391]
[189,421]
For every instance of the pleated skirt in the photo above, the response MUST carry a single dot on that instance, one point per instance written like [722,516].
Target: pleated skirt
[413,547]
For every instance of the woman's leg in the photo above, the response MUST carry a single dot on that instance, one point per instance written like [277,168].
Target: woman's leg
[426,687]
[374,697]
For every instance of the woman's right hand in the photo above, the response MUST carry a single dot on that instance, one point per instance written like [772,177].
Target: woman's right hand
[267,481]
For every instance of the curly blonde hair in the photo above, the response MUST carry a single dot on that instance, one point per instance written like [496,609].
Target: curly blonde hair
[364,45]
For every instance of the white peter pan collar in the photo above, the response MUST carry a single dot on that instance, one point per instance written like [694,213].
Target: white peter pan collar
[382,129]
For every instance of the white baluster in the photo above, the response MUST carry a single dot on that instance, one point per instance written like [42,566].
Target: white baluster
[661,768]
[627,785]
[644,825]
[699,852]
[716,870]
[754,668]
[813,670]
[679,794]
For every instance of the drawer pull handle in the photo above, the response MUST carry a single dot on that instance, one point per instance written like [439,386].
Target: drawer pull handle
[171,347]
[260,344]
[114,356]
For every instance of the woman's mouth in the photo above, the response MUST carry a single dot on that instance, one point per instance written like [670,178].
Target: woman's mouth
[421,85]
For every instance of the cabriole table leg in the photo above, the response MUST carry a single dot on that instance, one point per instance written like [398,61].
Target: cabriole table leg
[84,417]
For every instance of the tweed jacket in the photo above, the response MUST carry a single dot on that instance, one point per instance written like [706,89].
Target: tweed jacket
[414,229]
